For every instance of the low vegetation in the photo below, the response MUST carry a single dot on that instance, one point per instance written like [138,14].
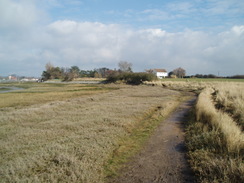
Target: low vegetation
[84,133]
[215,138]
[215,142]
[74,138]
[40,93]
[230,100]
[130,78]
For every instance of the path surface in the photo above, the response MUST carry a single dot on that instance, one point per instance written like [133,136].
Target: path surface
[163,158]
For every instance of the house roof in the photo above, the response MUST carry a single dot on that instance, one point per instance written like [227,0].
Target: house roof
[160,70]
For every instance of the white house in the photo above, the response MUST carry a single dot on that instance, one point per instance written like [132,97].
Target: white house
[160,73]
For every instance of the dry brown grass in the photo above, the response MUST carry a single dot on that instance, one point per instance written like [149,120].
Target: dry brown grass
[215,136]
[215,141]
[181,85]
[206,112]
[230,99]
[71,140]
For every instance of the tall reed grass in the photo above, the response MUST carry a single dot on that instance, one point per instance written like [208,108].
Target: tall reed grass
[215,142]
[230,100]
[207,113]
[215,138]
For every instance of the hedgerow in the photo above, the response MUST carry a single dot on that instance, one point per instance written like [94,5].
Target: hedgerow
[130,78]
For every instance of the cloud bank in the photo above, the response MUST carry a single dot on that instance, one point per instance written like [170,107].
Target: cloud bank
[26,45]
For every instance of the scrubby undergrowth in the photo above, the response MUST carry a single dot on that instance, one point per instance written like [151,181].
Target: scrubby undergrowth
[130,78]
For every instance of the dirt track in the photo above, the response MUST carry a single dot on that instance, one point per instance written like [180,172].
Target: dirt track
[163,158]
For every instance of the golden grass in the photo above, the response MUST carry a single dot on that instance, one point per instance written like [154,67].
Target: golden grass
[215,138]
[72,140]
[206,112]
[215,141]
[184,85]
[231,100]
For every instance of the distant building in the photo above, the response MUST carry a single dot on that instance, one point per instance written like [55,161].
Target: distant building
[160,73]
[29,79]
[13,77]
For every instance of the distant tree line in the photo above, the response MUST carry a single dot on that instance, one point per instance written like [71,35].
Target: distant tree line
[205,76]
[236,77]
[68,74]
[123,74]
[214,76]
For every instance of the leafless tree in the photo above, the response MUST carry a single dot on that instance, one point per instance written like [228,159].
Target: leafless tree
[125,66]
[75,70]
[179,72]
[49,66]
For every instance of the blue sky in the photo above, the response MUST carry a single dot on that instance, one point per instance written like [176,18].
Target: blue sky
[202,36]
[172,15]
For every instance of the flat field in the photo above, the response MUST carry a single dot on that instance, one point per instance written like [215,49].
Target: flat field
[70,132]
[37,93]
[203,80]
[85,133]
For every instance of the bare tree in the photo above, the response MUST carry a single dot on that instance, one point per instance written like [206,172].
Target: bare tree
[102,72]
[179,72]
[125,66]
[75,70]
[49,66]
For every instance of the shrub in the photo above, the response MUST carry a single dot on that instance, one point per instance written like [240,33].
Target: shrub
[130,78]
[113,77]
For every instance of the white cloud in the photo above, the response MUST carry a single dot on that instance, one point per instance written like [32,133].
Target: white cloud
[91,44]
[81,43]
[239,30]
[17,14]
[225,7]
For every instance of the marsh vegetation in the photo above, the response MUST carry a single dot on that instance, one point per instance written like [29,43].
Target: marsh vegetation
[85,133]
[215,137]
[70,133]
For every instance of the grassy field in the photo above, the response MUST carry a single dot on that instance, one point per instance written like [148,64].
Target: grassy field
[215,137]
[202,80]
[36,93]
[76,133]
